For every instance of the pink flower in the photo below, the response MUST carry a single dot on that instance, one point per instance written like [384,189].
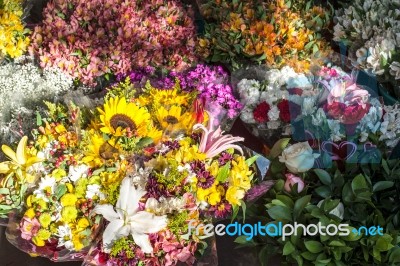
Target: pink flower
[291,180]
[29,227]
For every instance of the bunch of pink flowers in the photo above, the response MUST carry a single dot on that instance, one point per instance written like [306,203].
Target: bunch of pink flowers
[92,38]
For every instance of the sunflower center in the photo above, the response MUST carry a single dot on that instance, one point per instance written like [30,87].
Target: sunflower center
[107,151]
[123,121]
[171,119]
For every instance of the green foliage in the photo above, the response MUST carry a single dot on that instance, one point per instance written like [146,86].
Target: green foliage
[369,195]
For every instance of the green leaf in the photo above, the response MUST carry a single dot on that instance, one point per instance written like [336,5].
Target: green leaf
[314,246]
[223,172]
[39,121]
[359,183]
[286,200]
[241,240]
[143,142]
[98,171]
[235,212]
[323,176]
[385,167]
[299,206]
[309,256]
[337,243]
[280,213]
[382,185]
[324,191]
[278,148]
[288,248]
[384,243]
[61,190]
[251,160]
[394,256]
[243,205]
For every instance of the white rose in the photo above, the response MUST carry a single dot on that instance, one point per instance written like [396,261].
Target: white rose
[298,157]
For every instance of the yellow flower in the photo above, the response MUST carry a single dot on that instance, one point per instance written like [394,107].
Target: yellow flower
[210,195]
[58,174]
[68,199]
[166,98]
[99,150]
[234,194]
[30,213]
[37,241]
[45,219]
[43,234]
[19,160]
[77,241]
[70,187]
[69,214]
[240,174]
[119,116]
[174,119]
[82,224]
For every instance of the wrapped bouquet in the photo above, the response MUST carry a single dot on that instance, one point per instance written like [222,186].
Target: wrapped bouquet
[147,163]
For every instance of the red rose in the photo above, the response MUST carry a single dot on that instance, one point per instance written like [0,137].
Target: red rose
[284,111]
[335,110]
[261,112]
[354,113]
[295,91]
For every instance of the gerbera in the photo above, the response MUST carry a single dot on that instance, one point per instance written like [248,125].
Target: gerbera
[174,119]
[119,115]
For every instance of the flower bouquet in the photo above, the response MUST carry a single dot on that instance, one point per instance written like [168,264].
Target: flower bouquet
[147,164]
[211,82]
[14,36]
[274,33]
[92,41]
[332,201]
[266,95]
[372,40]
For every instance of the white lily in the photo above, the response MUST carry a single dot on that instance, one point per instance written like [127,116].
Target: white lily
[128,220]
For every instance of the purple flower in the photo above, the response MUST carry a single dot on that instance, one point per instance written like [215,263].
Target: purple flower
[205,179]
[258,190]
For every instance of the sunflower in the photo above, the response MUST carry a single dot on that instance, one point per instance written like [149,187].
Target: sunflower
[120,116]
[175,119]
[166,97]
[99,151]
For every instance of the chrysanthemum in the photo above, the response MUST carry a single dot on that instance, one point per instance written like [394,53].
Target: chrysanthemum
[119,116]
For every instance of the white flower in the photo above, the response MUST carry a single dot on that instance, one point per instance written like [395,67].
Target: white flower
[64,235]
[127,220]
[298,157]
[273,113]
[164,205]
[47,183]
[139,176]
[318,118]
[395,69]
[249,91]
[77,172]
[334,126]
[94,190]
[247,116]
[308,106]
[390,127]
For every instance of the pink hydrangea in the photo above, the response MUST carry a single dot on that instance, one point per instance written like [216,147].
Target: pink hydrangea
[91,38]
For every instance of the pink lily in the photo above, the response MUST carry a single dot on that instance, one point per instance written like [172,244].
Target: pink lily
[213,142]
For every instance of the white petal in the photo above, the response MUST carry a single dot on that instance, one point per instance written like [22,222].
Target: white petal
[129,197]
[142,240]
[146,222]
[107,211]
[112,232]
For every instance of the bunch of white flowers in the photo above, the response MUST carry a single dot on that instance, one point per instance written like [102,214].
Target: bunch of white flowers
[270,88]
[390,126]
[371,30]
[23,88]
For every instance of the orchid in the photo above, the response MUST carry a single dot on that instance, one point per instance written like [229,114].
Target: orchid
[127,220]
[213,142]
